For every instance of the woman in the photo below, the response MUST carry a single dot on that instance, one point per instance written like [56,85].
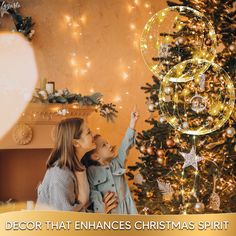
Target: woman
[65,185]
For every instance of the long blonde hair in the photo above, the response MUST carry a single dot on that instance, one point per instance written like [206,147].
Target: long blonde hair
[64,151]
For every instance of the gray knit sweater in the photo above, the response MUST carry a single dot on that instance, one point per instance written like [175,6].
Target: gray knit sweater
[58,191]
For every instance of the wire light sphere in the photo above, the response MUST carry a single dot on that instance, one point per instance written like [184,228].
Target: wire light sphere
[201,105]
[175,34]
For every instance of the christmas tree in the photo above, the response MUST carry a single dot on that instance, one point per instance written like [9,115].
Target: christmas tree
[182,168]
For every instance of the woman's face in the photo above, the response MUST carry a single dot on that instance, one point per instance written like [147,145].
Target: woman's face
[86,139]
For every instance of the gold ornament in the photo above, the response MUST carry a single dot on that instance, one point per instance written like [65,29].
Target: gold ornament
[150,150]
[199,207]
[160,152]
[143,149]
[170,143]
[149,194]
[160,160]
[232,47]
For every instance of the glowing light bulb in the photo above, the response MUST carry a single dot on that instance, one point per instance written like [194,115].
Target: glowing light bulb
[73,62]
[125,75]
[67,18]
[117,98]
[83,19]
[132,26]
[88,64]
[130,8]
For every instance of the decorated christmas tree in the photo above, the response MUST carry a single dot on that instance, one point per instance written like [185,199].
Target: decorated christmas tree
[187,161]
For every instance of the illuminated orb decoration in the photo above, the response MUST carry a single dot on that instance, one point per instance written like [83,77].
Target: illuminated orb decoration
[18,77]
[176,34]
[201,105]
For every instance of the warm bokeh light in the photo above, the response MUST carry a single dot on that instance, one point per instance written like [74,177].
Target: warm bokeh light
[18,77]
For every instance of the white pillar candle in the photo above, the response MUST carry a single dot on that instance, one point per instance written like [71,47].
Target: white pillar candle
[50,87]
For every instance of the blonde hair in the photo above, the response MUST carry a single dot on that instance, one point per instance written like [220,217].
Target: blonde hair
[64,150]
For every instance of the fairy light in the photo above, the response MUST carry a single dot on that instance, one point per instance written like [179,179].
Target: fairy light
[130,8]
[132,26]
[88,64]
[75,25]
[91,90]
[67,18]
[117,98]
[125,75]
[73,62]
[83,19]
[83,71]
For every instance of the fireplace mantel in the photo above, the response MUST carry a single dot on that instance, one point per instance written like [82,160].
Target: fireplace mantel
[34,128]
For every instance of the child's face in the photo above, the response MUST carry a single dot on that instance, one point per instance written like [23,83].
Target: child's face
[104,151]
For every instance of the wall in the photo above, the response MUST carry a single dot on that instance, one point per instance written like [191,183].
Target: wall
[86,46]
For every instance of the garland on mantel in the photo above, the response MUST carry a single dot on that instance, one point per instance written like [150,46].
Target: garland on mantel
[64,96]
[23,24]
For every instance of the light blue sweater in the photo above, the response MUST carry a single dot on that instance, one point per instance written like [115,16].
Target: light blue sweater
[112,178]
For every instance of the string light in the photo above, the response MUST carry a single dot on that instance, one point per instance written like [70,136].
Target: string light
[132,26]
[83,19]
[125,75]
[117,98]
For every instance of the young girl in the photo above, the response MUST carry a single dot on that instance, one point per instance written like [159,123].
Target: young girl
[65,185]
[106,172]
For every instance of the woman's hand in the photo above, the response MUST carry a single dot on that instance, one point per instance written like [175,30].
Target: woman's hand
[110,202]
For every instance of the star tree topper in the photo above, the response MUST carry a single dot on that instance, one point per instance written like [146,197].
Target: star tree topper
[191,158]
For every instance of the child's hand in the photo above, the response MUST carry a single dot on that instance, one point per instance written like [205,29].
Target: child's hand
[134,118]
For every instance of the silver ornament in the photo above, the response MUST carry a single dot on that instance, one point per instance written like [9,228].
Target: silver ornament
[168,90]
[230,132]
[151,107]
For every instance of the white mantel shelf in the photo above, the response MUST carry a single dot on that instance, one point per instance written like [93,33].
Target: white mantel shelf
[34,128]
